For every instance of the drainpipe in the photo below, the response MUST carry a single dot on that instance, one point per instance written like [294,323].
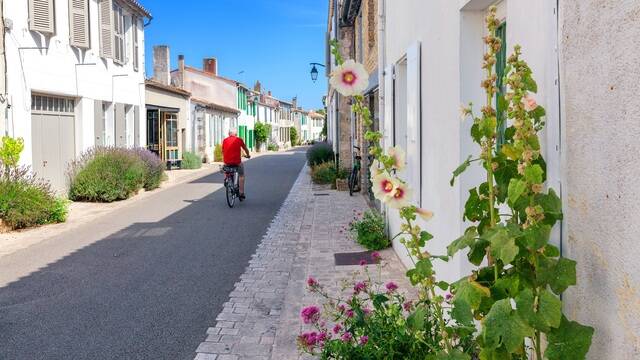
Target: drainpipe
[4,98]
[335,93]
[381,80]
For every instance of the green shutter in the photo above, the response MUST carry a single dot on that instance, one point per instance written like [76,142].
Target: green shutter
[251,139]
[501,62]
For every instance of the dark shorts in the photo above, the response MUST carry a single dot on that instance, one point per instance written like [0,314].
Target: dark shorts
[240,168]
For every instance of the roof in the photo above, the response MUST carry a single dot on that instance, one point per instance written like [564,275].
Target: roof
[201,72]
[135,4]
[169,88]
[215,106]
[316,115]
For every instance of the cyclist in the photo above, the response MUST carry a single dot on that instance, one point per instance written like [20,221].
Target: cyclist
[232,155]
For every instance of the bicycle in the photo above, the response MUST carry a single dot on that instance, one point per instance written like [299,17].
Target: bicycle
[232,183]
[354,177]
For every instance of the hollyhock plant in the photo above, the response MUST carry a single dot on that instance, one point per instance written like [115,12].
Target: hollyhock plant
[350,78]
[398,156]
[424,214]
[400,196]
[529,102]
[384,186]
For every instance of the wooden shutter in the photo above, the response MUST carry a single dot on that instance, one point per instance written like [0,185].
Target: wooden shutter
[79,23]
[120,125]
[98,123]
[134,28]
[136,126]
[106,28]
[41,16]
[414,119]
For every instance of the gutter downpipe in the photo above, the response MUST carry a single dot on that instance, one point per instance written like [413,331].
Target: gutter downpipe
[381,81]
[336,94]
[4,96]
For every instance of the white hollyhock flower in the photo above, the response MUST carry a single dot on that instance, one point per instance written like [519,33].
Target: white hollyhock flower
[376,168]
[400,197]
[399,157]
[350,78]
[529,102]
[383,186]
[425,214]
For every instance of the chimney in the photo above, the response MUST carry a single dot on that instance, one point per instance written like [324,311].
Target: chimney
[210,66]
[269,93]
[258,87]
[178,79]
[294,102]
[161,66]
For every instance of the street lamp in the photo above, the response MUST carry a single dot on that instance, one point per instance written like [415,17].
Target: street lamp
[314,71]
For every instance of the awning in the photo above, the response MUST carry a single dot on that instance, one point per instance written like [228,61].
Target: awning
[163,108]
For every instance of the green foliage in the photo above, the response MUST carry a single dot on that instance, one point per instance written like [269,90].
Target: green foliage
[10,151]
[370,231]
[26,201]
[262,132]
[107,175]
[272,147]
[191,161]
[217,153]
[319,153]
[325,173]
[293,135]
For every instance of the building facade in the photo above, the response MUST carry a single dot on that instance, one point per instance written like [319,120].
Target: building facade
[214,105]
[316,124]
[285,123]
[4,97]
[95,96]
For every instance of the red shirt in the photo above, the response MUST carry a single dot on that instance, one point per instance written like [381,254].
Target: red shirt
[231,150]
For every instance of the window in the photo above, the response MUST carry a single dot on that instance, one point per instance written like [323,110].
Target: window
[79,23]
[41,16]
[134,29]
[49,104]
[172,130]
[118,34]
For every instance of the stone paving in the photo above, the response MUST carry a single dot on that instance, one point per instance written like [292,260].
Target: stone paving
[261,318]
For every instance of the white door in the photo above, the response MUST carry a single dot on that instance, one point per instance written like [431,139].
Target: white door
[53,137]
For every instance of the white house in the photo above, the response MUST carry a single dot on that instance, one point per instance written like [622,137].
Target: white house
[316,124]
[74,84]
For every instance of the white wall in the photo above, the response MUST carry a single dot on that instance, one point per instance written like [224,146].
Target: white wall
[450,35]
[55,71]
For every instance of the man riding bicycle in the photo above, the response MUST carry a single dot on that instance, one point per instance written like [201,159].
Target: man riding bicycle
[232,156]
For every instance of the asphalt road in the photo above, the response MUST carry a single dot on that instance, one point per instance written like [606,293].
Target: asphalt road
[145,281]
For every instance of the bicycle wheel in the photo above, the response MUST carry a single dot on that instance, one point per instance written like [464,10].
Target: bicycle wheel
[353,181]
[231,195]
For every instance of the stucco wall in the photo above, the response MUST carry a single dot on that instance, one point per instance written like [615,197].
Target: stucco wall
[600,69]
[3,91]
[210,88]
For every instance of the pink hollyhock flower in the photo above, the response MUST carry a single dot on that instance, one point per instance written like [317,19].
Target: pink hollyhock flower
[400,196]
[399,157]
[363,262]
[425,214]
[376,256]
[364,339]
[310,314]
[337,328]
[350,78]
[346,337]
[349,313]
[360,287]
[391,287]
[529,102]
[383,186]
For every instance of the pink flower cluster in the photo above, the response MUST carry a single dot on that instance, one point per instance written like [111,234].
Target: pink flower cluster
[310,314]
[309,340]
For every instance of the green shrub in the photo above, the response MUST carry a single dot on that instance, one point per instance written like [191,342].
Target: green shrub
[26,201]
[370,231]
[10,150]
[108,175]
[293,135]
[324,173]
[217,153]
[262,132]
[273,147]
[154,168]
[319,153]
[191,161]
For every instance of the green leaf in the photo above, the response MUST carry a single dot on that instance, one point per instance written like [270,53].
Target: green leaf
[516,188]
[477,252]
[453,355]
[443,285]
[503,326]
[415,321]
[538,113]
[494,354]
[552,206]
[530,84]
[462,312]
[537,236]
[503,245]
[424,237]
[472,292]
[379,300]
[533,174]
[460,169]
[462,242]
[510,152]
[551,251]
[558,274]
[542,313]
[506,287]
[474,208]
[475,132]
[570,341]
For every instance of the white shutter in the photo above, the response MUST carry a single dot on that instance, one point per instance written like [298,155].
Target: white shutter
[41,16]
[106,28]
[134,29]
[79,23]
[414,136]
[388,106]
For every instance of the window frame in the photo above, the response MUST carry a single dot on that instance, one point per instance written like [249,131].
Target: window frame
[119,55]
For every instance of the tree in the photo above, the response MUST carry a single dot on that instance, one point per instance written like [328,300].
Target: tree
[262,132]
[293,134]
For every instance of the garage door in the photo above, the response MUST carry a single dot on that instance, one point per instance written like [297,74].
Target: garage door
[52,130]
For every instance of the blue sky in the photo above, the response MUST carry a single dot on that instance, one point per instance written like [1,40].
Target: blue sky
[270,40]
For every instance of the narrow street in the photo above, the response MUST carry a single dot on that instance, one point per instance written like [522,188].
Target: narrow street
[146,281]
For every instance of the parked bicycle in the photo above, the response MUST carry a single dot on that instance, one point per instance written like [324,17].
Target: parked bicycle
[354,178]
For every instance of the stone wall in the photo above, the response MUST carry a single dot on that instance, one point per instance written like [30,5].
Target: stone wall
[600,69]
